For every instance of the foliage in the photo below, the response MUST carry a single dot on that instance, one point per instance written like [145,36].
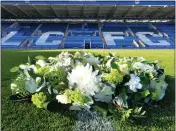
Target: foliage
[18,86]
[84,79]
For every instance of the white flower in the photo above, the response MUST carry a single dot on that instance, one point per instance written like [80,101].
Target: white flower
[85,79]
[64,59]
[134,83]
[140,59]
[62,99]
[137,65]
[92,60]
[41,63]
[119,102]
[143,67]
[124,68]
[13,86]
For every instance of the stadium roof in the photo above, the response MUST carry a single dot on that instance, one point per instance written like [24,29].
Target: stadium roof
[87,9]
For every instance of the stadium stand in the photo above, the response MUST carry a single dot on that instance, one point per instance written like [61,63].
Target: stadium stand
[83,36]
[168,28]
[49,36]
[5,26]
[108,25]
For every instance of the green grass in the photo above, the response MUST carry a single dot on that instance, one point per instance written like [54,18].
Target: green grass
[26,117]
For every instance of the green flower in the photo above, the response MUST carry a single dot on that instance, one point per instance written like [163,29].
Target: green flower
[76,97]
[43,70]
[39,99]
[114,77]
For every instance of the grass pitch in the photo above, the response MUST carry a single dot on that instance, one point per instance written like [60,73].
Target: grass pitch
[26,117]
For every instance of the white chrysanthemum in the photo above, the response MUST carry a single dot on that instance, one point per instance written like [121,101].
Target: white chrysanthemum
[134,83]
[143,67]
[92,60]
[42,63]
[85,79]
[62,99]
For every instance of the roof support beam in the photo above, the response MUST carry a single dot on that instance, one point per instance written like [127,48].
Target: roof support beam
[9,11]
[98,10]
[126,13]
[156,12]
[171,15]
[67,10]
[144,10]
[22,10]
[83,10]
[37,10]
[53,10]
[112,12]
[168,13]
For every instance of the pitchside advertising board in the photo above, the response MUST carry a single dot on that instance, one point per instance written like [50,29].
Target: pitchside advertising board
[109,37]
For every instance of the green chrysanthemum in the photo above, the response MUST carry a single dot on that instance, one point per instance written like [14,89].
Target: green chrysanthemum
[114,76]
[39,99]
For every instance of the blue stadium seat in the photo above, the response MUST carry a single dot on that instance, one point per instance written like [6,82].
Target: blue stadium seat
[5,25]
[167,28]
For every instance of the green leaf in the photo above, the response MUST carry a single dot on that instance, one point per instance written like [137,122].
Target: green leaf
[136,110]
[45,105]
[107,90]
[162,77]
[112,109]
[144,62]
[156,95]
[143,113]
[31,86]
[123,95]
[139,109]
[145,93]
[114,65]
[38,80]
[40,58]
[101,110]
[137,97]
[110,54]
[14,69]
[144,79]
[29,60]
[159,84]
[102,97]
